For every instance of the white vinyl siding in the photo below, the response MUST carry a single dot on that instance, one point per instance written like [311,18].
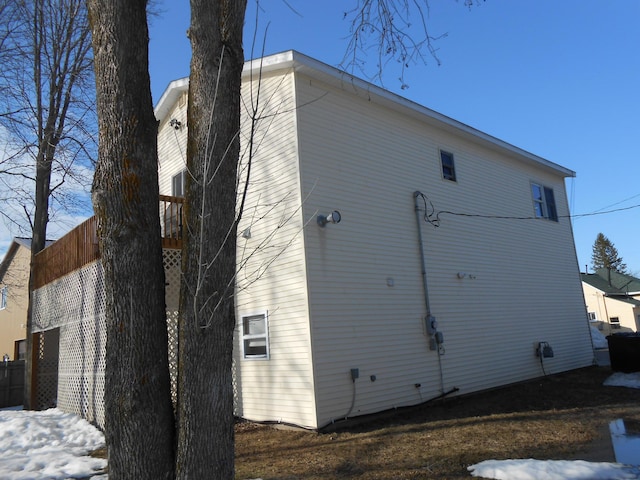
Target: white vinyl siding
[350,295]
[271,259]
[366,161]
[172,147]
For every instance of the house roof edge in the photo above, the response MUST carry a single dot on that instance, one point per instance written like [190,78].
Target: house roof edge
[317,69]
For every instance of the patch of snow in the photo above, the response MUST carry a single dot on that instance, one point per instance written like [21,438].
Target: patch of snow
[599,340]
[619,379]
[531,469]
[50,445]
[53,445]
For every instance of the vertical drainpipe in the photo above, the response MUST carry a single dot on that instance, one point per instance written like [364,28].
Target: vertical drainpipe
[429,320]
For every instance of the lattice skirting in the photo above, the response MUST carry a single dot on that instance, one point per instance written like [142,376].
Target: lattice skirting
[75,304]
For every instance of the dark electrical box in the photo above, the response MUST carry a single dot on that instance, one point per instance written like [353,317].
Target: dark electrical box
[544,350]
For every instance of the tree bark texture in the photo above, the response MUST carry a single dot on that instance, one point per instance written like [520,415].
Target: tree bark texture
[140,429]
[205,392]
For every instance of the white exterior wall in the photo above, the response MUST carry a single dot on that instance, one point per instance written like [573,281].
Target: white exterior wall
[272,271]
[271,274]
[172,145]
[607,307]
[350,295]
[366,161]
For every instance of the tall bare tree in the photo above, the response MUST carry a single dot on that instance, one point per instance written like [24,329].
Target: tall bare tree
[139,415]
[125,197]
[46,113]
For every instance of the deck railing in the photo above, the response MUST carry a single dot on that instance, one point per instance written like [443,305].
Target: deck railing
[80,246]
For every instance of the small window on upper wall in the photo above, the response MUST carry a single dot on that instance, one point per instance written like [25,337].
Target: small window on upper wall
[3,298]
[544,202]
[255,336]
[177,184]
[448,167]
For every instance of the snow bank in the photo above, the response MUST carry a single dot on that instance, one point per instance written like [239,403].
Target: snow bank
[599,340]
[50,445]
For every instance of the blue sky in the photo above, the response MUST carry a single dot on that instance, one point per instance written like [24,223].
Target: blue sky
[560,79]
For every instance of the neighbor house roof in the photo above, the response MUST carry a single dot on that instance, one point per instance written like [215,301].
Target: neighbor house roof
[313,68]
[612,283]
[13,248]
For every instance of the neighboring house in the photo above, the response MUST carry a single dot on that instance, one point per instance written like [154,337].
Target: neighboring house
[613,300]
[14,299]
[332,318]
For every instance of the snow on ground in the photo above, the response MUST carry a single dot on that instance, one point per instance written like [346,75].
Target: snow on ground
[619,379]
[552,470]
[53,445]
[599,340]
[50,445]
[531,469]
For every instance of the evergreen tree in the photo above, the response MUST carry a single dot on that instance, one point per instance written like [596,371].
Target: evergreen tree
[605,255]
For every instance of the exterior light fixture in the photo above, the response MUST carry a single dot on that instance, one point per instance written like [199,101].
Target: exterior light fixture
[333,217]
[176,124]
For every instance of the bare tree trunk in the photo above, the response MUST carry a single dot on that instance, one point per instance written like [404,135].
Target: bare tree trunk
[46,63]
[139,415]
[205,394]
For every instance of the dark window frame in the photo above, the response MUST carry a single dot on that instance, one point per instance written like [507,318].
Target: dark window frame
[448,166]
[544,202]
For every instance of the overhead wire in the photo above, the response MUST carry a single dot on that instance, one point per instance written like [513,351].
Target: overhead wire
[432,216]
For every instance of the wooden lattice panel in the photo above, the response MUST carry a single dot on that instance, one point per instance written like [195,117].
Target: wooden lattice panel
[75,304]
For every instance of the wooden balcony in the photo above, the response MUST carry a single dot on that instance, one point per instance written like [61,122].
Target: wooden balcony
[80,247]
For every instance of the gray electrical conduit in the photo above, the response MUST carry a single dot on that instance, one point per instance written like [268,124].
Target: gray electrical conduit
[416,195]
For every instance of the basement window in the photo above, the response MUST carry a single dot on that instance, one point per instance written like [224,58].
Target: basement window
[255,336]
[615,322]
[544,203]
[448,167]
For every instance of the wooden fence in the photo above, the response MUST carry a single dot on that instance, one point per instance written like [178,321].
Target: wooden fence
[11,383]
[76,249]
[80,246]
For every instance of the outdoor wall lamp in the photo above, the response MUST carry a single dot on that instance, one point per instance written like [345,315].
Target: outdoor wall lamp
[176,124]
[333,217]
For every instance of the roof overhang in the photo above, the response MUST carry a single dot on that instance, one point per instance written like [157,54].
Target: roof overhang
[313,68]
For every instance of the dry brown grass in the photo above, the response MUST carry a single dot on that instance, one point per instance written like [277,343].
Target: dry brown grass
[559,417]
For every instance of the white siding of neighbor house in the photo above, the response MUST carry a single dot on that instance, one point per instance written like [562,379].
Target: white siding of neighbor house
[607,307]
[522,284]
[272,271]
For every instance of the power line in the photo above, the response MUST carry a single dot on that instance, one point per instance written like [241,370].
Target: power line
[432,216]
